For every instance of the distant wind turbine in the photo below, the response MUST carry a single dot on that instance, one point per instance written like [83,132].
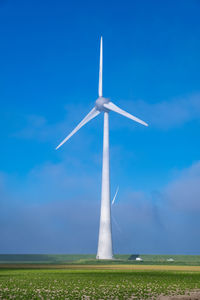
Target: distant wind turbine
[117,190]
[104,105]
[113,201]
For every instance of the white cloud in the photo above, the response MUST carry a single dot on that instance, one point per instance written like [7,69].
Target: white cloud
[166,114]
[37,127]
[183,193]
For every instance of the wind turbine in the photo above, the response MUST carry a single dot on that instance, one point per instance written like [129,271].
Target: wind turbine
[103,105]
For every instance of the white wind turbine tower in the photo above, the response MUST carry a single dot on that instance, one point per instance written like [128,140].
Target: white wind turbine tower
[103,105]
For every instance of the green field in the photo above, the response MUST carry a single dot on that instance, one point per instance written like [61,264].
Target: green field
[94,284]
[193,260]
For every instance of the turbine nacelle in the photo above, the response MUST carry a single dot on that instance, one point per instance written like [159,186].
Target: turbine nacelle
[100,104]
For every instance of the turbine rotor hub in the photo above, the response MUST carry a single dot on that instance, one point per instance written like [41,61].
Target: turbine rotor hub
[100,103]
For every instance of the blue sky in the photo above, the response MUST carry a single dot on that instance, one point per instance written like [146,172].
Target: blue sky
[49,57]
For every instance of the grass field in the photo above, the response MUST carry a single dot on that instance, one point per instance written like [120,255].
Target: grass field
[187,260]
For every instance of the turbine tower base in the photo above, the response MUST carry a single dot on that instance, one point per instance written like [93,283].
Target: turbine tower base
[103,258]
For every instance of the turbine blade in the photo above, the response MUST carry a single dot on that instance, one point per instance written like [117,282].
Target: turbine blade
[92,114]
[101,69]
[115,108]
[117,190]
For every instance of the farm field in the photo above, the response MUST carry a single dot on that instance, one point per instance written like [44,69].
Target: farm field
[93,283]
[41,276]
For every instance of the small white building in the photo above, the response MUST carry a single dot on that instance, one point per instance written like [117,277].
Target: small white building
[170,260]
[139,259]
